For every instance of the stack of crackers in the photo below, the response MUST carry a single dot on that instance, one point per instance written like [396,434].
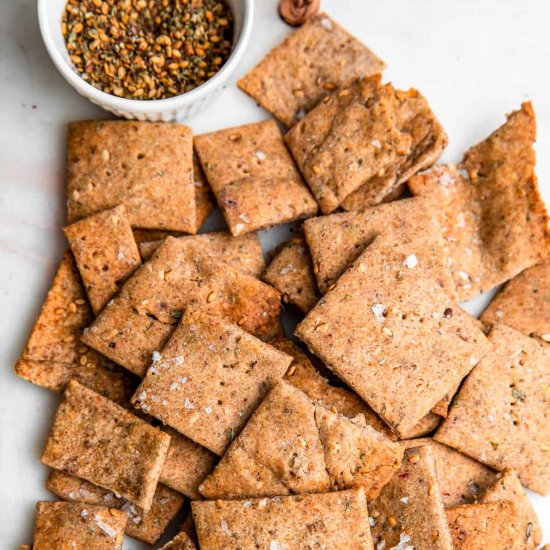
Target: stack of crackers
[395,421]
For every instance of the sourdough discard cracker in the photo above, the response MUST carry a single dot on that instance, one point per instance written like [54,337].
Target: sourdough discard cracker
[364,138]
[461,479]
[488,526]
[138,164]
[61,525]
[524,303]
[291,273]
[306,447]
[508,488]
[243,253]
[501,415]
[182,541]
[253,177]
[312,61]
[143,315]
[105,251]
[145,526]
[54,354]
[492,215]
[101,442]
[209,378]
[186,464]
[392,334]
[332,520]
[409,512]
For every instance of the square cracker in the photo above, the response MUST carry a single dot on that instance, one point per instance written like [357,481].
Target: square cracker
[244,253]
[461,478]
[73,525]
[138,164]
[101,442]
[359,140]
[209,378]
[182,541]
[392,334]
[291,273]
[332,520]
[145,526]
[409,509]
[186,465]
[491,212]
[501,415]
[299,72]
[105,251]
[487,526]
[508,488]
[524,303]
[304,448]
[145,312]
[54,354]
[253,177]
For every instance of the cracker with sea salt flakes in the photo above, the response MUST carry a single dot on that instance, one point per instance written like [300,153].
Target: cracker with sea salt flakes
[243,253]
[209,378]
[54,354]
[306,447]
[137,164]
[338,521]
[489,526]
[507,487]
[392,334]
[182,541]
[524,303]
[186,464]
[75,525]
[501,415]
[409,512]
[144,313]
[101,442]
[291,273]
[359,140]
[145,526]
[315,59]
[461,478]
[105,251]
[492,215]
[253,177]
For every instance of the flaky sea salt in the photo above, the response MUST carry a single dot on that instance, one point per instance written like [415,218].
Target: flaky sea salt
[107,529]
[225,528]
[187,404]
[378,310]
[410,261]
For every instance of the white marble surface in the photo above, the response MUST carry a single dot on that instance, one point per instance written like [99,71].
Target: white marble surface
[474,61]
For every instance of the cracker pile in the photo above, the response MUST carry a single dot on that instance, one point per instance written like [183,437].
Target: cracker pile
[395,421]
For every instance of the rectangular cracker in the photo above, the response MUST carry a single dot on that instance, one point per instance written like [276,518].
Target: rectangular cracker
[138,164]
[524,303]
[105,251]
[186,465]
[143,315]
[358,139]
[211,373]
[501,415]
[392,334]
[54,354]
[101,442]
[507,487]
[145,526]
[293,445]
[244,253]
[299,72]
[253,177]
[461,478]
[332,520]
[291,273]
[409,512]
[487,526]
[491,212]
[182,541]
[75,525]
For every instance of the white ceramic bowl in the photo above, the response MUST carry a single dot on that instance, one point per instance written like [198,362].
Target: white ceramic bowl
[167,110]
